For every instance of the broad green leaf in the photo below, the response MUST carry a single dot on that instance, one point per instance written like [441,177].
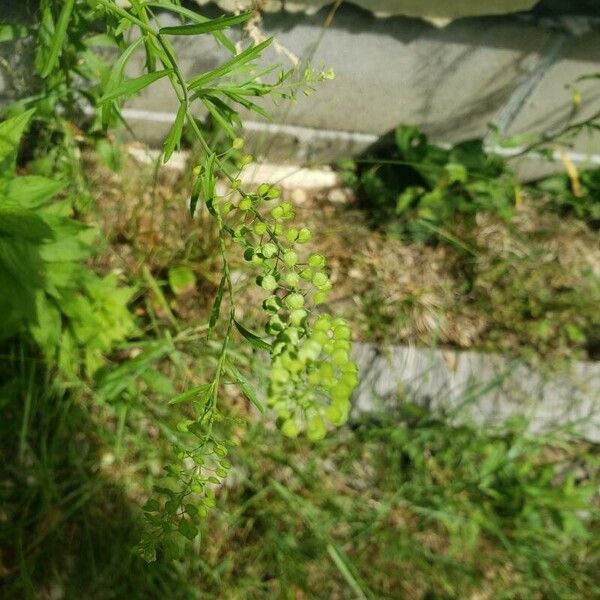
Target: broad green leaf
[254,339]
[32,191]
[237,61]
[207,26]
[174,138]
[132,86]
[58,38]
[22,223]
[11,132]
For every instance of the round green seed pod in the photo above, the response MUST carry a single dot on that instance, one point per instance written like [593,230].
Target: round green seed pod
[259,228]
[316,261]
[304,235]
[290,258]
[268,282]
[294,300]
[248,253]
[277,212]
[323,323]
[268,250]
[336,415]
[342,332]
[298,316]
[315,428]
[263,189]
[272,304]
[245,204]
[291,235]
[320,297]
[290,428]
[306,274]
[339,356]
[292,279]
[320,279]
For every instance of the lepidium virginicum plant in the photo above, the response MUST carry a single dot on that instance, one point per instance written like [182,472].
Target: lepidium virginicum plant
[311,376]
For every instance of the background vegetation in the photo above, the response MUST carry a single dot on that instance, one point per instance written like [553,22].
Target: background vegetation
[135,462]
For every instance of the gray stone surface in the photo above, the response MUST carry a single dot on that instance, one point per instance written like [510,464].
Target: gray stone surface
[431,9]
[483,387]
[549,106]
[452,82]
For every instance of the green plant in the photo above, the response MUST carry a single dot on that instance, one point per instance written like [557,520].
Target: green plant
[49,292]
[417,189]
[312,375]
[580,197]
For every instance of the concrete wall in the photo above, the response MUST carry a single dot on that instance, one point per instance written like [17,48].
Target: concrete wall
[451,81]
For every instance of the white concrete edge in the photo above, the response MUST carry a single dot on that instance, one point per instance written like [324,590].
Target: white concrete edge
[305,133]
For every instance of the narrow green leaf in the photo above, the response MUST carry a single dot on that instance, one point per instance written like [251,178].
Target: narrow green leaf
[200,392]
[132,86]
[208,26]
[237,61]
[116,73]
[195,195]
[208,183]
[58,38]
[246,388]
[216,308]
[254,339]
[218,117]
[193,16]
[174,138]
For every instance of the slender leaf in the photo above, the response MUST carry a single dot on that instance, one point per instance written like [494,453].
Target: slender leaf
[208,26]
[174,138]
[195,195]
[201,392]
[216,308]
[58,38]
[245,386]
[208,183]
[132,86]
[254,339]
[193,16]
[237,61]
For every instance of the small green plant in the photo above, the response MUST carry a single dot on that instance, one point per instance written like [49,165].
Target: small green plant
[580,197]
[417,190]
[49,292]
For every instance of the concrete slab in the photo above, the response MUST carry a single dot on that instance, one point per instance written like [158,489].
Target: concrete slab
[485,388]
